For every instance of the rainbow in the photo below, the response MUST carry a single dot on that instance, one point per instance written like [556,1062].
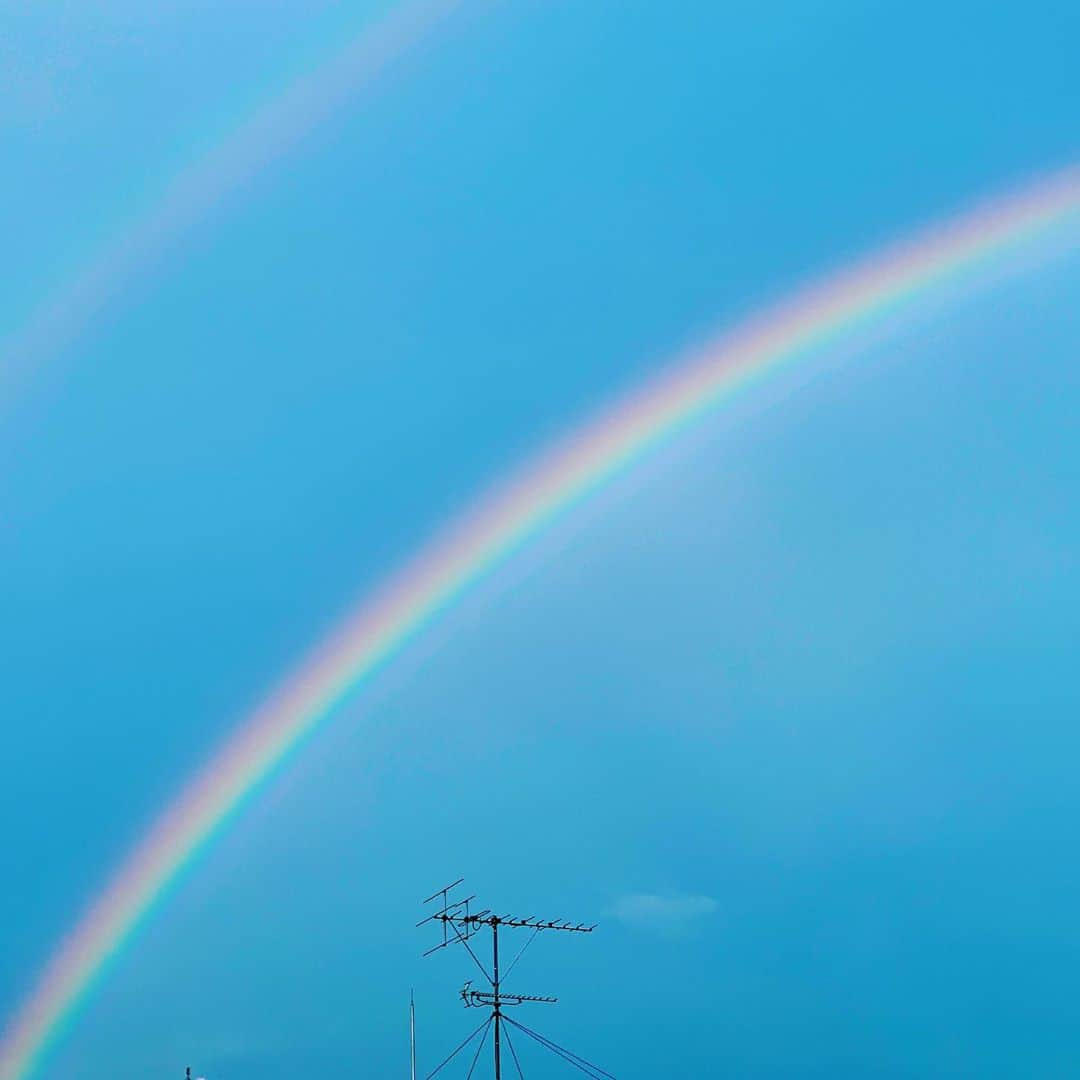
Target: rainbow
[195,191]
[811,321]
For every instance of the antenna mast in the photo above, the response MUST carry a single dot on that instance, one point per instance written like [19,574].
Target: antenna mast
[412,1035]
[459,924]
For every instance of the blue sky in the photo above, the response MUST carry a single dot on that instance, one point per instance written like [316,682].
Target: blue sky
[812,664]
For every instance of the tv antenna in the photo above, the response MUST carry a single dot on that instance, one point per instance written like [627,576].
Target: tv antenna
[460,923]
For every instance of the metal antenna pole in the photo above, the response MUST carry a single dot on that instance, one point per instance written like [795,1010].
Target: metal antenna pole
[495,986]
[412,1035]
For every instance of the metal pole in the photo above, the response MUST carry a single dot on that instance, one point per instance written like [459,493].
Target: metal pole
[495,981]
[412,1034]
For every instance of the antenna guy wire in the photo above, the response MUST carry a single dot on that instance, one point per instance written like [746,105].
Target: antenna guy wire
[569,1056]
[454,1053]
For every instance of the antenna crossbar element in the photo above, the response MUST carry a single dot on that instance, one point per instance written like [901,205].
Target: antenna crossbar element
[444,890]
[474,922]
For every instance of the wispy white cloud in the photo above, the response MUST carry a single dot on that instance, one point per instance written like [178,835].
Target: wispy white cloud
[671,913]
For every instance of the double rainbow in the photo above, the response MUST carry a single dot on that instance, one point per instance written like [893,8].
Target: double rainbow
[795,331]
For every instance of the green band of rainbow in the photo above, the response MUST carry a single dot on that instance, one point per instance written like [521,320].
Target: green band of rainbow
[486,537]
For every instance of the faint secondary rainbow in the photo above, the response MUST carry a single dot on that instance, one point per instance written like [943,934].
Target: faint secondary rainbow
[812,320]
[197,190]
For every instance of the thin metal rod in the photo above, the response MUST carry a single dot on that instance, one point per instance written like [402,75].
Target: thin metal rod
[412,1036]
[496,1013]
[444,891]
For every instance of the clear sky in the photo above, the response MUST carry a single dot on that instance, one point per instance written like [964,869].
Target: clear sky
[790,711]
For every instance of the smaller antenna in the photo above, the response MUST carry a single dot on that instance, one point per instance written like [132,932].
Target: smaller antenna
[476,998]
